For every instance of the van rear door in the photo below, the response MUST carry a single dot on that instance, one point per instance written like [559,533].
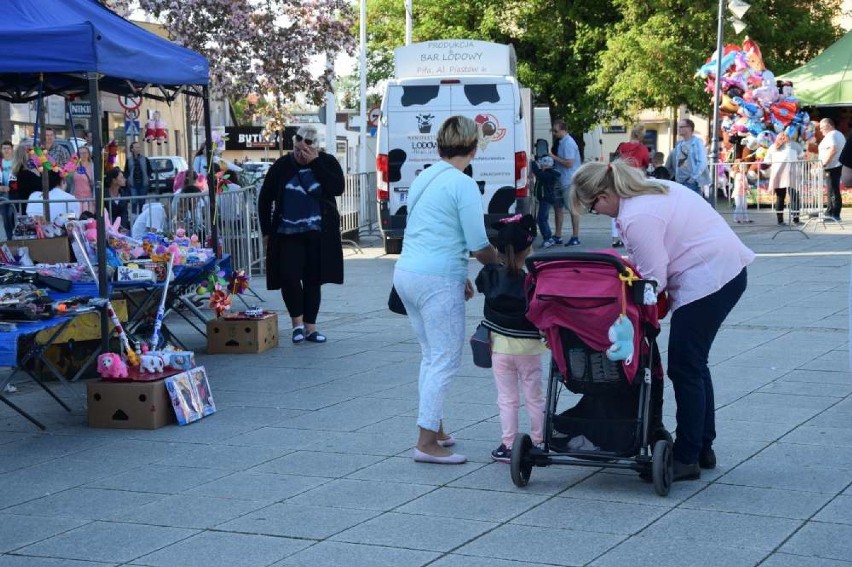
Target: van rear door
[491,104]
[414,114]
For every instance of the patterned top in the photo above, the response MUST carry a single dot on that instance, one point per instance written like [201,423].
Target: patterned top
[301,211]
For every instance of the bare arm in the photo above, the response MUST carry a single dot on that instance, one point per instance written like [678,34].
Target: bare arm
[487,255]
[562,161]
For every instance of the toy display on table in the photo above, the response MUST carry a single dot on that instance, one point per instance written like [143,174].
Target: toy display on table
[754,106]
[29,227]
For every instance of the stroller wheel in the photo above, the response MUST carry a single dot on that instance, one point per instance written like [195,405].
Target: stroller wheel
[660,434]
[661,467]
[521,465]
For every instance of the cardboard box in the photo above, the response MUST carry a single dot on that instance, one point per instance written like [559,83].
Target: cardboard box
[44,250]
[238,336]
[129,405]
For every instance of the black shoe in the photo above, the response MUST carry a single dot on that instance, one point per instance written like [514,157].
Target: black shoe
[502,454]
[707,459]
[685,472]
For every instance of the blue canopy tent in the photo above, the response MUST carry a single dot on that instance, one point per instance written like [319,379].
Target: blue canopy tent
[66,40]
[79,47]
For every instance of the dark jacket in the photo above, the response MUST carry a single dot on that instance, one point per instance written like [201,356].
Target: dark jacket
[505,302]
[130,164]
[329,174]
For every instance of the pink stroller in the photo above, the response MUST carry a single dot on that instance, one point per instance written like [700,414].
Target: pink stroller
[574,298]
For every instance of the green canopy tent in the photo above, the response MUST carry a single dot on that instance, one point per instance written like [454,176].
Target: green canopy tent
[825,80]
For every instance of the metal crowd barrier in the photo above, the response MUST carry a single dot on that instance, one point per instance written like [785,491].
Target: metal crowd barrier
[237,219]
[805,195]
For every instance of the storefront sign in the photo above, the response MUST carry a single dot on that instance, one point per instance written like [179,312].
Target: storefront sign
[241,138]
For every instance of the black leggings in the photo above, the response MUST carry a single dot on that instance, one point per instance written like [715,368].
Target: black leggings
[299,276]
[301,298]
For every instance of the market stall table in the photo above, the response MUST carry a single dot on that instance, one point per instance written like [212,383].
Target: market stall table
[9,358]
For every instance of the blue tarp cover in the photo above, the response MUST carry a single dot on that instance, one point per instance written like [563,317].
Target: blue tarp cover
[65,38]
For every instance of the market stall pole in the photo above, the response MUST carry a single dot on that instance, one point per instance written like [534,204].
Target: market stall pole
[211,179]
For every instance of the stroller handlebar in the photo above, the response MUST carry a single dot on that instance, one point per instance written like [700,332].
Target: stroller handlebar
[613,261]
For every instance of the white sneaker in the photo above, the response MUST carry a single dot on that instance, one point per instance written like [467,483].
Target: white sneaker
[548,243]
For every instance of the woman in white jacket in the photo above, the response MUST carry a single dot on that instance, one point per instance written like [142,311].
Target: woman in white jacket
[785,175]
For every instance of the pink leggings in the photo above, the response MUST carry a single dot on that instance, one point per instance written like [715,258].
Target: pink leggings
[509,370]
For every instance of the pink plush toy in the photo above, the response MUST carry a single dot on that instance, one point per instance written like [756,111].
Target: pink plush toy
[150,130]
[91,230]
[160,133]
[110,365]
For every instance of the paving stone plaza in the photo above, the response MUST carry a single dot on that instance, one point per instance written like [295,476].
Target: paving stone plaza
[307,460]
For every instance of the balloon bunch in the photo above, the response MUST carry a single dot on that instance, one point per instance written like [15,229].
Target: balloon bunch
[40,160]
[756,107]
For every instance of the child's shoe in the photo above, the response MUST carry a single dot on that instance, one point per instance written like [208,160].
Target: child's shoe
[501,454]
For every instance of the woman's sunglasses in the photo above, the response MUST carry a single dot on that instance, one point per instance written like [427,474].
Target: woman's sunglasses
[594,204]
[301,139]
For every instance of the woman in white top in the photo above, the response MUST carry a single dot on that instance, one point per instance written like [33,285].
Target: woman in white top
[784,175]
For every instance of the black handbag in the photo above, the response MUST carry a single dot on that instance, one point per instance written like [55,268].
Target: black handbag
[395,303]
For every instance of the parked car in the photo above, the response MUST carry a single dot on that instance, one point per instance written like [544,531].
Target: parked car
[255,171]
[163,172]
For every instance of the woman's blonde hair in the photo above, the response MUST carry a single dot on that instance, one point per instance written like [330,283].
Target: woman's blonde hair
[619,176]
[638,132]
[457,137]
[21,158]
[87,149]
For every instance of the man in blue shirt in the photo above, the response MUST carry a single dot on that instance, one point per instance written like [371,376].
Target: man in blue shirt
[567,160]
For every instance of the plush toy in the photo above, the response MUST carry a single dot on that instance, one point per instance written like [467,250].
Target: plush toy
[110,365]
[152,363]
[91,230]
[160,133]
[112,153]
[150,130]
[621,335]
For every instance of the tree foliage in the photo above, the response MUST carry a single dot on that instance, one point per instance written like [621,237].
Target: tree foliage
[653,52]
[591,59]
[556,43]
[258,46]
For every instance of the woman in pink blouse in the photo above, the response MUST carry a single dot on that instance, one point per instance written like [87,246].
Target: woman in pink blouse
[674,237]
[83,180]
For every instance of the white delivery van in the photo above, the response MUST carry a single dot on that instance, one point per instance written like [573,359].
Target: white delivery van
[433,81]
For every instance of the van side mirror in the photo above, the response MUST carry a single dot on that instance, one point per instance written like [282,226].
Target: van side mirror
[541,148]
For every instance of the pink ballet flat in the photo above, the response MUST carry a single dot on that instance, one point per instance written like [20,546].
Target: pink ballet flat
[453,459]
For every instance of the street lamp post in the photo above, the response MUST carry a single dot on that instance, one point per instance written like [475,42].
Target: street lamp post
[738,8]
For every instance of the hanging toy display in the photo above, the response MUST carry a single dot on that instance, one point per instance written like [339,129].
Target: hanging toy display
[155,129]
[160,133]
[111,153]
